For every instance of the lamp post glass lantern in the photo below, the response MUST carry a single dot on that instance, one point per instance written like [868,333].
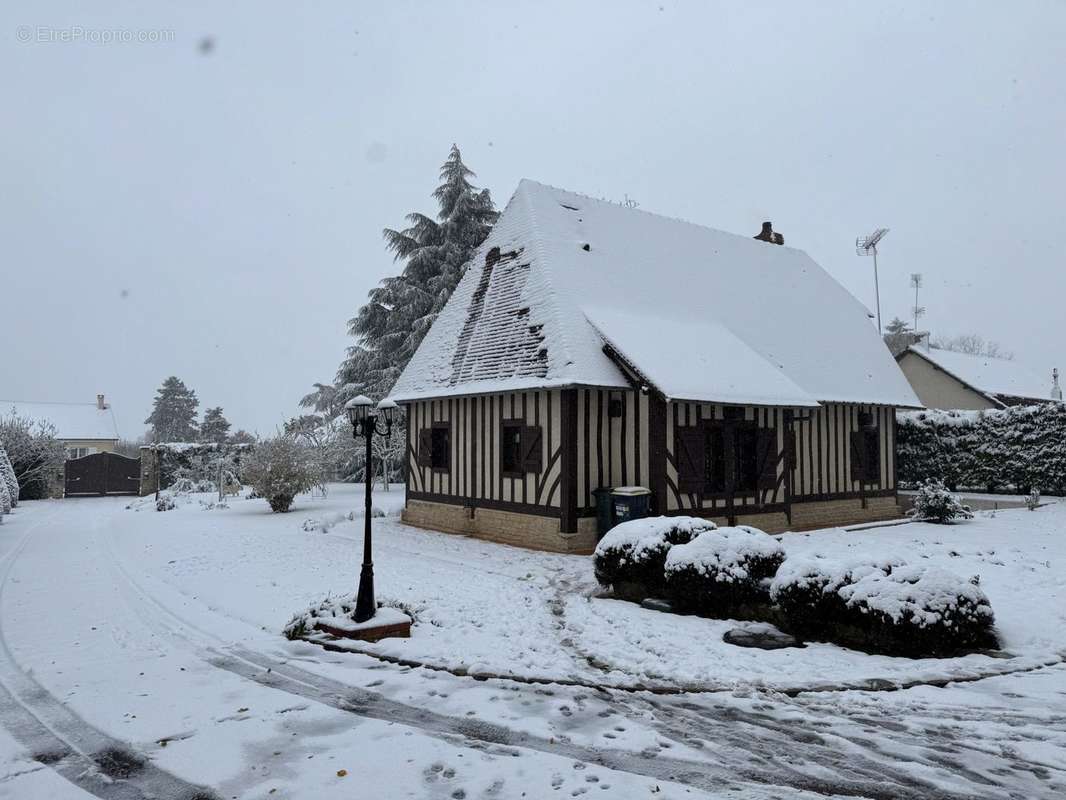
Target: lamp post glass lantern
[365,423]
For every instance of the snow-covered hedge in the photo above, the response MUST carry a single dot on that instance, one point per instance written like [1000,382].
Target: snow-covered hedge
[883,607]
[723,573]
[934,503]
[5,500]
[1020,448]
[197,462]
[7,476]
[631,557]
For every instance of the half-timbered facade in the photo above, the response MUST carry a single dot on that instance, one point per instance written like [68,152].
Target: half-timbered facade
[578,353]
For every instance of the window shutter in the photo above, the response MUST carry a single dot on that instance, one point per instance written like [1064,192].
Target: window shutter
[858,456]
[532,457]
[688,452]
[425,448]
[766,444]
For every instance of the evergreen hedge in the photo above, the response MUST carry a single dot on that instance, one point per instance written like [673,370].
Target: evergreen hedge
[1017,448]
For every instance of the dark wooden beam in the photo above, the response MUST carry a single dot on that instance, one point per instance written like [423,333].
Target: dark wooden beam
[657,451]
[568,462]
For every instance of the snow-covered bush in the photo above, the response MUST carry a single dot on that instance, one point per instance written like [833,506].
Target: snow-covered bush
[883,607]
[279,469]
[165,502]
[7,475]
[631,557]
[724,573]
[934,503]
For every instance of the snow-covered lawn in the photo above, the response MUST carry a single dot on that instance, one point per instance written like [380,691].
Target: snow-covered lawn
[488,608]
[162,631]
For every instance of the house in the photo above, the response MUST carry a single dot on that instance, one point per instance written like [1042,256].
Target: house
[83,428]
[592,345]
[948,380]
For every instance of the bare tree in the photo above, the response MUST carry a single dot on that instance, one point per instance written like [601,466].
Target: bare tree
[973,344]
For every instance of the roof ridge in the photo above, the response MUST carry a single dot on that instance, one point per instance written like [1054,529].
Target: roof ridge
[645,212]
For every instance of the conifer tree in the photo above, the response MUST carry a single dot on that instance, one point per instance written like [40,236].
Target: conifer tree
[391,325]
[215,427]
[173,417]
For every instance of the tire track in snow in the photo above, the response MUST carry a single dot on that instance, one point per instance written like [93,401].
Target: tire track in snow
[60,740]
[740,759]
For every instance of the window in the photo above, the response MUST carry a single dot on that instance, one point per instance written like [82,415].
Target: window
[511,448]
[714,456]
[78,452]
[726,457]
[440,447]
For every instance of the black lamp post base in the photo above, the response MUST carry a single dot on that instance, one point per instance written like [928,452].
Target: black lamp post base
[365,604]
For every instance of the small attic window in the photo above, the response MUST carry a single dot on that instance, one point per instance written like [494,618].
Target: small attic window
[569,208]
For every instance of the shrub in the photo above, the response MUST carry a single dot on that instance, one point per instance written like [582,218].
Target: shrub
[934,503]
[279,469]
[884,607]
[36,455]
[7,475]
[631,557]
[724,573]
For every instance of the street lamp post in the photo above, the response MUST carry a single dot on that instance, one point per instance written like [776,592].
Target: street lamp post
[365,425]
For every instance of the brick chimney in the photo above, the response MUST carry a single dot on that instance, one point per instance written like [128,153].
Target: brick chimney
[100,404]
[768,234]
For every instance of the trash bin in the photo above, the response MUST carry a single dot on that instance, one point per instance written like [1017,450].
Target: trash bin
[629,502]
[604,522]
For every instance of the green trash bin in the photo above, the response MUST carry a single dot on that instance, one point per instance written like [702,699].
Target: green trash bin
[629,502]
[604,521]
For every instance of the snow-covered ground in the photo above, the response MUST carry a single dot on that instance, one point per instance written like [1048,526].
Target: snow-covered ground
[157,634]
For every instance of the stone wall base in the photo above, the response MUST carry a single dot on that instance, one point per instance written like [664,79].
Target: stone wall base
[505,527]
[542,533]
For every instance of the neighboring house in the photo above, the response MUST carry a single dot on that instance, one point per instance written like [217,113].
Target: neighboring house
[83,428]
[591,345]
[948,380]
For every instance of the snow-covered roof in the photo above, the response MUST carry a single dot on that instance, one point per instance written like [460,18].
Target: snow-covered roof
[702,314]
[71,420]
[991,376]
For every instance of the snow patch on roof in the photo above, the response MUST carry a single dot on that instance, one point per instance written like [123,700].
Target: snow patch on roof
[71,420]
[694,359]
[996,376]
[779,311]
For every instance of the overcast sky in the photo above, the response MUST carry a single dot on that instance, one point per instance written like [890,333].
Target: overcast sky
[217,215]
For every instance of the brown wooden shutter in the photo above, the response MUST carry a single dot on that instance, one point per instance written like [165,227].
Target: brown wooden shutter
[872,451]
[858,456]
[425,448]
[531,449]
[766,447]
[688,452]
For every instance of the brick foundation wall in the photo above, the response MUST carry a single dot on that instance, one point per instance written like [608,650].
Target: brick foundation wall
[505,527]
[834,513]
